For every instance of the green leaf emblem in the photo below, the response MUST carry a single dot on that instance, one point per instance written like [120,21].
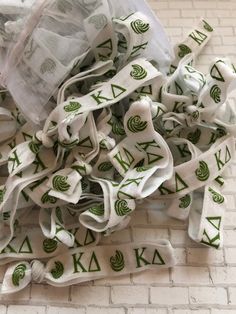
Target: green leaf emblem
[59,183]
[135,124]
[18,274]
[117,261]
[138,72]
[217,197]
[58,270]
[139,26]
[183,50]
[185,201]
[215,93]
[49,245]
[105,166]
[121,207]
[97,210]
[73,106]
[202,172]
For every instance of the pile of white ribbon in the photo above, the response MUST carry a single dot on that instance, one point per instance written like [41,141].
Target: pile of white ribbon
[97,113]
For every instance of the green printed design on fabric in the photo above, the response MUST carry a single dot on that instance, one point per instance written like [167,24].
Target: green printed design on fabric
[49,245]
[58,270]
[58,213]
[142,168]
[202,173]
[215,93]
[46,198]
[73,106]
[207,26]
[135,124]
[105,166]
[117,261]
[138,72]
[139,26]
[97,210]
[183,50]
[185,201]
[59,183]
[48,66]
[34,147]
[194,136]
[117,125]
[18,274]
[217,197]
[121,208]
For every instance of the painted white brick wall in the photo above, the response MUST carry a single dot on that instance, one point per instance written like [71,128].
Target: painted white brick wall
[205,285]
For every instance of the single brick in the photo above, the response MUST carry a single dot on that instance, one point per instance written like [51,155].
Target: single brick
[208,295]
[169,295]
[200,311]
[152,277]
[129,295]
[90,295]
[230,255]
[190,275]
[49,293]
[103,310]
[63,310]
[145,234]
[25,309]
[204,256]
[147,311]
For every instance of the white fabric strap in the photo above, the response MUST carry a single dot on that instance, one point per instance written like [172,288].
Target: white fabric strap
[81,265]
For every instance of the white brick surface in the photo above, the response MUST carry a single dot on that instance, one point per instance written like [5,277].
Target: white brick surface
[83,295]
[64,310]
[208,295]
[204,281]
[129,295]
[22,309]
[169,296]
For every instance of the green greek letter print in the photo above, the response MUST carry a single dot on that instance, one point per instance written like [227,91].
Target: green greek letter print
[183,50]
[139,26]
[202,173]
[34,147]
[121,207]
[49,245]
[138,72]
[46,198]
[58,270]
[73,106]
[117,261]
[142,168]
[135,124]
[207,26]
[194,136]
[105,166]
[217,197]
[59,183]
[185,201]
[215,93]
[18,274]
[48,65]
[97,210]
[215,73]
